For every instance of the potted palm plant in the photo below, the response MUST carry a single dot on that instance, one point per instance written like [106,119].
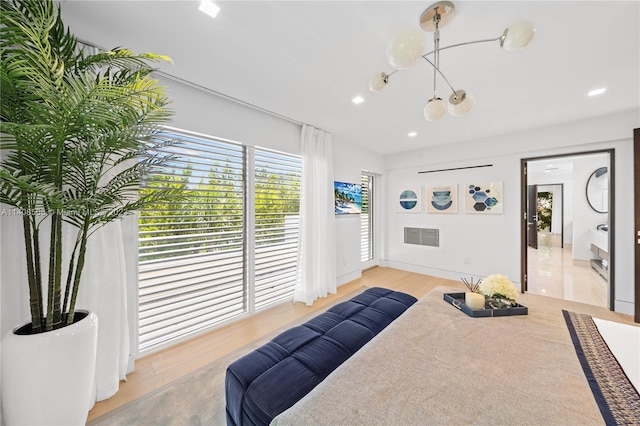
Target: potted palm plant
[79,131]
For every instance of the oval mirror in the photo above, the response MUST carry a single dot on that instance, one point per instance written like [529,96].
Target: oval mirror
[598,190]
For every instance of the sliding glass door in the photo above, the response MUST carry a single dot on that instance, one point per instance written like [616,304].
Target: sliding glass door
[227,244]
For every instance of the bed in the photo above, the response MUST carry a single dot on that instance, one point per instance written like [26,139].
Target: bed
[270,379]
[436,365]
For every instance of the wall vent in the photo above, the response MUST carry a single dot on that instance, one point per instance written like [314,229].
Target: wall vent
[422,236]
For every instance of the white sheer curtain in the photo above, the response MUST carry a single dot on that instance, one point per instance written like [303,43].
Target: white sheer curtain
[103,291]
[316,258]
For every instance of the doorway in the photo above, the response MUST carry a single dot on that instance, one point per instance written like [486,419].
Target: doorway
[545,210]
[567,240]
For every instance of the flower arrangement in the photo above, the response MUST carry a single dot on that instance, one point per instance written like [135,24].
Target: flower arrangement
[498,286]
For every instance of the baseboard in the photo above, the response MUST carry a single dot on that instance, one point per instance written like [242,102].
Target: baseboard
[624,307]
[436,272]
[346,278]
[425,270]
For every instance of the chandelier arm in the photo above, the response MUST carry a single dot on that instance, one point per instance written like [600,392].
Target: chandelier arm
[436,57]
[435,94]
[441,74]
[463,44]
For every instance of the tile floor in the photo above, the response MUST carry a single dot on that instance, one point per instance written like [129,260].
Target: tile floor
[553,272]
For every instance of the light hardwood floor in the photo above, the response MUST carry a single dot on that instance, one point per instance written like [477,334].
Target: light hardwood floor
[160,368]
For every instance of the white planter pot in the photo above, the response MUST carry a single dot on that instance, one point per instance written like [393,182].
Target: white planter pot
[47,378]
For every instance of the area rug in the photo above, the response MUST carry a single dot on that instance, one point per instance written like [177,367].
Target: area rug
[195,399]
[617,399]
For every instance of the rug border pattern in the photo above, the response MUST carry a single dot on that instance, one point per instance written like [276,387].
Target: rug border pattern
[617,399]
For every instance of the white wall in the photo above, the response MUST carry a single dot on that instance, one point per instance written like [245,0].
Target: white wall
[492,242]
[469,243]
[349,161]
[201,112]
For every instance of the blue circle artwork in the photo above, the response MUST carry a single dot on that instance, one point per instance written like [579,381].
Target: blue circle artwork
[408,199]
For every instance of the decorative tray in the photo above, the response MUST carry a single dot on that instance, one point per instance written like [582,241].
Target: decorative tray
[457,300]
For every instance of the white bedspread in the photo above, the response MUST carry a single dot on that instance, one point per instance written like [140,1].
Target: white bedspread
[436,365]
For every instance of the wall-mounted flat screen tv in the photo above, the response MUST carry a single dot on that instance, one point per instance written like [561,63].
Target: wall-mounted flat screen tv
[348,198]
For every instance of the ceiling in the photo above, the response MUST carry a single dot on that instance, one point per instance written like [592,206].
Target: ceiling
[541,170]
[558,169]
[306,60]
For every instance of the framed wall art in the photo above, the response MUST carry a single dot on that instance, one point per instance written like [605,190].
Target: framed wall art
[442,199]
[347,198]
[408,200]
[483,198]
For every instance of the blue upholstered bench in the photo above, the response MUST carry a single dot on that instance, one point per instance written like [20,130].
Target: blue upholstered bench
[267,381]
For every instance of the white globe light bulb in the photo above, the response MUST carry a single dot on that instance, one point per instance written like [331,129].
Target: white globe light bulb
[518,36]
[404,48]
[460,103]
[434,110]
[378,81]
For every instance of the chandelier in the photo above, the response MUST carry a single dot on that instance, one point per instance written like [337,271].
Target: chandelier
[406,47]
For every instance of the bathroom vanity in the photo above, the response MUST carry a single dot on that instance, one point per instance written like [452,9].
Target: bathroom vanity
[600,248]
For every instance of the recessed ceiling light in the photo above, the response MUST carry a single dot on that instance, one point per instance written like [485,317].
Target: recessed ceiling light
[357,100]
[596,92]
[209,8]
[412,134]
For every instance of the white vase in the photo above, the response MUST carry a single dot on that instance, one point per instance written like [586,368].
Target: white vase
[47,378]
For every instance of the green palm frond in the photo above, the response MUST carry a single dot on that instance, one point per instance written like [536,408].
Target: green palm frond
[80,131]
